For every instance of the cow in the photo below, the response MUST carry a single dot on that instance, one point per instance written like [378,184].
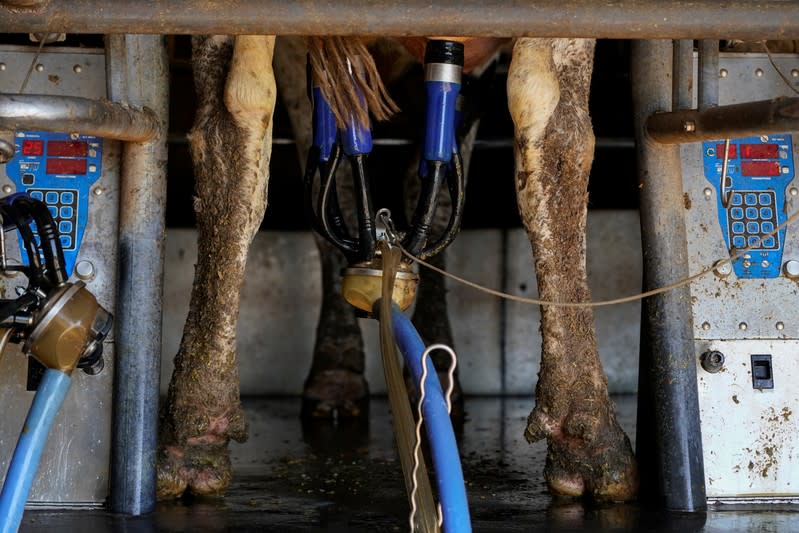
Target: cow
[548,85]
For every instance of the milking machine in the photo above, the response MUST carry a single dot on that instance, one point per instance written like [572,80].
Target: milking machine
[732,439]
[61,179]
[380,284]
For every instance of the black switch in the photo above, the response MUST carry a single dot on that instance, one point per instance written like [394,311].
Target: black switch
[28,179]
[762,374]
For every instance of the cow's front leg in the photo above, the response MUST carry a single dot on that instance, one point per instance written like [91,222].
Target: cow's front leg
[548,85]
[231,144]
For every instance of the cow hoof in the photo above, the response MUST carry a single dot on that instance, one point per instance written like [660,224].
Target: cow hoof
[335,394]
[202,470]
[603,470]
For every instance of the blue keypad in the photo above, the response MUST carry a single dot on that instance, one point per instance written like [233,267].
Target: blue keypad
[749,225]
[63,208]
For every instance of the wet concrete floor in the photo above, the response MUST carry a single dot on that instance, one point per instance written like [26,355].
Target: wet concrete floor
[292,476]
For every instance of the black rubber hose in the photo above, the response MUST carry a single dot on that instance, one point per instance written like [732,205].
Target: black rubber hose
[8,308]
[367,238]
[347,245]
[35,272]
[50,242]
[422,219]
[456,183]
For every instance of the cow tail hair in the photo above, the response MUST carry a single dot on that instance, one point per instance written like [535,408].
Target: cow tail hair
[331,71]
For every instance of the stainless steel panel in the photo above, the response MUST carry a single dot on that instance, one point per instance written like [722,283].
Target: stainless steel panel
[750,450]
[749,434]
[74,469]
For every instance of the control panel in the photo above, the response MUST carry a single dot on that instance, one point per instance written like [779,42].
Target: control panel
[751,198]
[58,169]
[737,194]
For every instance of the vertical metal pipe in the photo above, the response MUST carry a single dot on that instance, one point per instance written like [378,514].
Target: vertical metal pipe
[138,75]
[708,74]
[668,398]
[683,74]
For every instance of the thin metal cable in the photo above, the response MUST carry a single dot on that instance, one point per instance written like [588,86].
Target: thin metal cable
[417,460]
[626,299]
[33,63]
[779,72]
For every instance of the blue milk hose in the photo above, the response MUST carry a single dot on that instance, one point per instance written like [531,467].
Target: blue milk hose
[444,449]
[32,440]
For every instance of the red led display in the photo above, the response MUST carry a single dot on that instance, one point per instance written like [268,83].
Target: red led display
[759,151]
[68,148]
[30,147]
[760,168]
[66,166]
[732,152]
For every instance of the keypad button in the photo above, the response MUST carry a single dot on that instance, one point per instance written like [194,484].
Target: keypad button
[768,242]
[51,197]
[736,199]
[67,197]
[750,199]
[37,195]
[53,210]
[754,241]
[738,242]
[737,227]
[751,213]
[765,213]
[66,241]
[752,227]
[765,199]
[737,213]
[66,212]
[766,227]
[65,226]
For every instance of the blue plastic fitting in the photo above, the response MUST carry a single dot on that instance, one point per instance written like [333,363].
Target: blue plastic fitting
[324,125]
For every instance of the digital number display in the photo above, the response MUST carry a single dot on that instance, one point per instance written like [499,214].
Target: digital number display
[66,166]
[67,148]
[759,151]
[760,168]
[732,153]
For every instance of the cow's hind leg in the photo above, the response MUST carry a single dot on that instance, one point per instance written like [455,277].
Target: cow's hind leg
[231,146]
[335,386]
[548,85]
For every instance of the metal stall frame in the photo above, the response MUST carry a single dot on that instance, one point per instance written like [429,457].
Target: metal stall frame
[136,58]
[621,19]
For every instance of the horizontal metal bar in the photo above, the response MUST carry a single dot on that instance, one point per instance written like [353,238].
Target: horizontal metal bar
[620,19]
[504,143]
[740,120]
[70,113]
